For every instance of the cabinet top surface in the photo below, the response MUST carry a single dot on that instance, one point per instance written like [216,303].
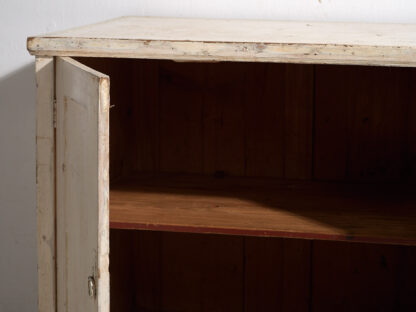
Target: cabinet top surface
[240,40]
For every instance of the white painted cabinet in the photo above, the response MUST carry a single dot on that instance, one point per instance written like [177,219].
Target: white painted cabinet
[237,150]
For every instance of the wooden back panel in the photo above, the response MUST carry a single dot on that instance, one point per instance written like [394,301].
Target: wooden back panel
[323,122]
[364,118]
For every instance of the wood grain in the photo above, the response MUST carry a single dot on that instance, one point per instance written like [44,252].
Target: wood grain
[298,121]
[373,213]
[277,274]
[148,254]
[45,183]
[224,119]
[362,277]
[264,102]
[201,272]
[363,124]
[123,245]
[411,135]
[180,103]
[146,112]
[260,120]
[82,160]
[236,40]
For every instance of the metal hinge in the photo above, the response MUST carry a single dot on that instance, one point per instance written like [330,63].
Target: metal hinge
[54,113]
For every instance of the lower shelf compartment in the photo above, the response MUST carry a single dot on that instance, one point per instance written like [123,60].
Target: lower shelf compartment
[378,213]
[164,272]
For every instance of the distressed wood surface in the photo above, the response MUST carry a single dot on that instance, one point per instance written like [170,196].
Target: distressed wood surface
[45,183]
[236,40]
[243,206]
[82,186]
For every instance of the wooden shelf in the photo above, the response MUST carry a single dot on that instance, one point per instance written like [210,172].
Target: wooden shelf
[376,213]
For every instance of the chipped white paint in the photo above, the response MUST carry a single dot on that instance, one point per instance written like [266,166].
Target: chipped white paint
[256,31]
[236,40]
[82,138]
[45,183]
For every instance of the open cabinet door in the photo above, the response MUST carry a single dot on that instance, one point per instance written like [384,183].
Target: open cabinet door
[82,187]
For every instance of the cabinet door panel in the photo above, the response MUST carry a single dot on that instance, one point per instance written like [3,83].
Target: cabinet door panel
[82,152]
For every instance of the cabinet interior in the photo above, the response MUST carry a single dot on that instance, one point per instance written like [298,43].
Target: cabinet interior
[270,153]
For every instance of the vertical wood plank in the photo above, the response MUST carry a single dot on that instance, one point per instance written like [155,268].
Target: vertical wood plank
[357,277]
[124,117]
[148,270]
[224,114]
[264,261]
[122,270]
[297,275]
[411,138]
[181,102]
[45,183]
[405,280]
[202,273]
[361,123]
[265,120]
[377,144]
[298,121]
[231,118]
[277,274]
[331,120]
[145,77]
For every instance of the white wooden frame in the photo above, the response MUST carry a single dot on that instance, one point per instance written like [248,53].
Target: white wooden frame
[188,40]
[54,208]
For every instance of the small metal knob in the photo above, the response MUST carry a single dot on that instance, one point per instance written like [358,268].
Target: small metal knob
[91,286]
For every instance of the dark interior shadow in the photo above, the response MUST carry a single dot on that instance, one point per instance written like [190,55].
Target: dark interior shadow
[181,100]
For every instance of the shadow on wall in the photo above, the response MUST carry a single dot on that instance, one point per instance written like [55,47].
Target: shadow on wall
[17,191]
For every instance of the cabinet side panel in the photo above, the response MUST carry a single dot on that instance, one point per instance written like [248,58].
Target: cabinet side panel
[45,184]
